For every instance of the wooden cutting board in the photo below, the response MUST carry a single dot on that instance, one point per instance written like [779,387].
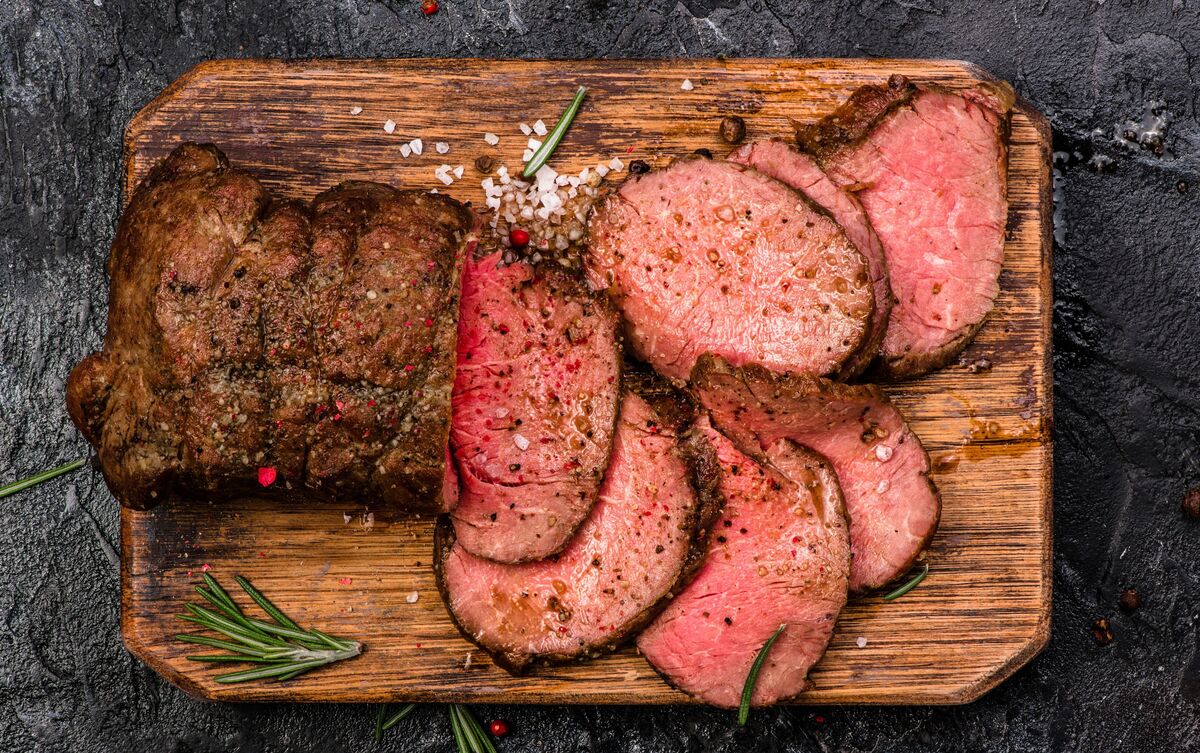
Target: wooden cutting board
[982,613]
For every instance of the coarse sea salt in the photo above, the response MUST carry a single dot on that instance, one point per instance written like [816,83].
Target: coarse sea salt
[687,85]
[525,129]
[861,642]
[521,442]
[441,147]
[412,597]
[883,452]
[355,110]
[417,146]
[405,150]
[389,126]
[491,138]
[539,128]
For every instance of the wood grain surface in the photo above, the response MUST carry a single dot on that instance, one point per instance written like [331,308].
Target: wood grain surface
[983,611]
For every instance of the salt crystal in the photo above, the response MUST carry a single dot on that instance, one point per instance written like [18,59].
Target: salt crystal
[491,138]
[492,202]
[345,517]
[372,295]
[883,452]
[616,163]
[883,486]
[501,412]
[527,155]
[521,442]
[687,85]
[525,129]
[355,110]
[441,147]
[412,597]
[458,171]
[405,150]
[417,146]
[539,128]
[534,144]
[862,642]
[389,126]
[601,170]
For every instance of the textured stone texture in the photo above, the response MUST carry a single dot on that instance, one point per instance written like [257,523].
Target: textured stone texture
[72,72]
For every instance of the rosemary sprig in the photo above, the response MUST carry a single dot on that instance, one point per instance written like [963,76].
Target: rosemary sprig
[38,478]
[752,678]
[555,136]
[909,585]
[383,722]
[469,736]
[283,648]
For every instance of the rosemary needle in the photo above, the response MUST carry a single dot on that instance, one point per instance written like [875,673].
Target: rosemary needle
[556,135]
[752,677]
[38,478]
[468,734]
[909,585]
[282,648]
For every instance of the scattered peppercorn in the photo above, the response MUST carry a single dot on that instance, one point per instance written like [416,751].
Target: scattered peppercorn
[484,163]
[518,237]
[733,129]
[705,153]
[1102,632]
[1182,186]
[498,728]
[1130,600]
[429,7]
[267,476]
[638,167]
[1191,502]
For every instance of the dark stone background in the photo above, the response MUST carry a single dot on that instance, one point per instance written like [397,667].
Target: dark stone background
[1127,261]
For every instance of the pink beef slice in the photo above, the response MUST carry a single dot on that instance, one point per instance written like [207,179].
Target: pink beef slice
[712,256]
[535,407]
[930,167]
[644,538]
[780,555]
[800,171]
[881,466]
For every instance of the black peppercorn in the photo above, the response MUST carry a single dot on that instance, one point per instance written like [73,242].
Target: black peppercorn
[1102,632]
[733,129]
[484,163]
[705,153]
[638,167]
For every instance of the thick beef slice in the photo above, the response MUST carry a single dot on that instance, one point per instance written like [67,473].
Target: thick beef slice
[238,324]
[642,540]
[930,167]
[881,466]
[712,256]
[535,407]
[800,171]
[779,555]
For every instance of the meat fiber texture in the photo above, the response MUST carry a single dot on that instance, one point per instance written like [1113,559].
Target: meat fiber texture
[930,167]
[881,466]
[535,407]
[711,256]
[800,171]
[642,541]
[779,555]
[315,342]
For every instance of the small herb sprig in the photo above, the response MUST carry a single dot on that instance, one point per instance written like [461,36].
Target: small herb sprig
[556,135]
[916,580]
[469,736]
[752,678]
[38,478]
[384,721]
[283,648]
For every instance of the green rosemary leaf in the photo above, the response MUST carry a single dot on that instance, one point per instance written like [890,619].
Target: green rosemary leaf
[219,592]
[296,635]
[214,621]
[479,741]
[752,678]
[229,658]
[555,136]
[460,741]
[379,722]
[265,604]
[204,640]
[333,642]
[399,716]
[216,601]
[909,585]
[281,671]
[38,478]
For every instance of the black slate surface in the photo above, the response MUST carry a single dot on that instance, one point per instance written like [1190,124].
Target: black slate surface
[1127,284]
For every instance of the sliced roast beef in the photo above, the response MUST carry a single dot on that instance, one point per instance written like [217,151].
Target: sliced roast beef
[251,339]
[535,407]
[801,172]
[712,256]
[881,466]
[643,539]
[779,555]
[930,167]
